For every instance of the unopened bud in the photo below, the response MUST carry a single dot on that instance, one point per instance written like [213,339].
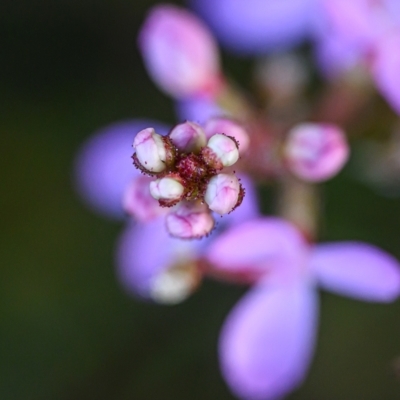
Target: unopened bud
[190,220]
[151,152]
[167,190]
[228,127]
[179,52]
[223,193]
[138,202]
[188,137]
[221,151]
[316,152]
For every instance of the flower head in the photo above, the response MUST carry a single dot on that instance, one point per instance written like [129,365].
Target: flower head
[190,174]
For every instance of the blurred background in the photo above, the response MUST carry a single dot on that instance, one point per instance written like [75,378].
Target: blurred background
[68,331]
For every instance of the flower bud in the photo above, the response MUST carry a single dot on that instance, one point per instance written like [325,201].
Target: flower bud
[167,190]
[223,193]
[224,151]
[316,152]
[190,220]
[151,152]
[138,202]
[188,137]
[228,127]
[179,52]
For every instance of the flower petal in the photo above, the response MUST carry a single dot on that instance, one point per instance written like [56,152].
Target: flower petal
[146,251]
[267,341]
[358,270]
[198,109]
[257,26]
[258,247]
[103,166]
[386,70]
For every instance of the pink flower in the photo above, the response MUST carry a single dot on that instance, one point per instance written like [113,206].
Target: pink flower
[316,152]
[267,341]
[179,52]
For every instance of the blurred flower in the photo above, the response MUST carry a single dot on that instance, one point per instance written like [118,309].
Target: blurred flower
[179,52]
[316,152]
[363,33]
[267,341]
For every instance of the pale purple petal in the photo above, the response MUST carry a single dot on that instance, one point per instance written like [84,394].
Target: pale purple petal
[268,339]
[358,270]
[386,70]
[257,26]
[336,56]
[103,166]
[198,109]
[263,246]
[146,250]
[179,52]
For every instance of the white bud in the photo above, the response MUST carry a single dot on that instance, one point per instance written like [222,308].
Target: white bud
[222,193]
[166,188]
[224,148]
[150,150]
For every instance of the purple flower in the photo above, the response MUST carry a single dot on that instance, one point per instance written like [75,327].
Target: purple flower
[179,52]
[267,342]
[107,181]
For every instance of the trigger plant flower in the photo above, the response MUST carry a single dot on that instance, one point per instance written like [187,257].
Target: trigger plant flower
[267,341]
[185,177]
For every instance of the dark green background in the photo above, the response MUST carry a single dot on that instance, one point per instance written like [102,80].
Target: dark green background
[67,330]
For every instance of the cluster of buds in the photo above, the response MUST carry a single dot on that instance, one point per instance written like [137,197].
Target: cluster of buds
[187,166]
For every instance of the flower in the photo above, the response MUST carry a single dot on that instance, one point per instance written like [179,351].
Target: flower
[179,52]
[316,152]
[267,341]
[106,179]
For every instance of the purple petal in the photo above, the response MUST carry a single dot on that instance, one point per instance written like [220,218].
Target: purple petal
[257,26]
[103,166]
[358,270]
[386,70]
[262,246]
[268,339]
[335,55]
[198,109]
[146,250]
